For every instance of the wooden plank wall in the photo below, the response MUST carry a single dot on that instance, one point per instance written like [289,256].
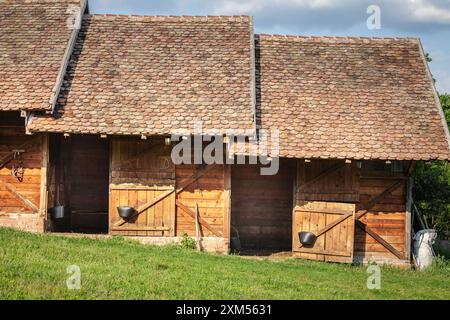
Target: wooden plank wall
[210,192]
[12,136]
[387,218]
[140,171]
[262,206]
[340,185]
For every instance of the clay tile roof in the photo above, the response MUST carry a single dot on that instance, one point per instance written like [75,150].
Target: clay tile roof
[33,40]
[346,97]
[156,74]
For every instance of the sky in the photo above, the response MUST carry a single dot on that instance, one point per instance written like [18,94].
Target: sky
[427,19]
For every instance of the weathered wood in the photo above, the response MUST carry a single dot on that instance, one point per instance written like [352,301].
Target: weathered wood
[322,174]
[147,205]
[327,180]
[20,197]
[262,206]
[143,177]
[197,228]
[44,188]
[369,205]
[383,242]
[6,159]
[227,205]
[331,225]
[334,232]
[408,221]
[202,221]
[199,173]
[140,228]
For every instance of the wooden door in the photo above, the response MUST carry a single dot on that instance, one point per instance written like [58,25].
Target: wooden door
[142,177]
[333,223]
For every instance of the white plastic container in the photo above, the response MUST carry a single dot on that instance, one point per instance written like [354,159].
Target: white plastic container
[423,247]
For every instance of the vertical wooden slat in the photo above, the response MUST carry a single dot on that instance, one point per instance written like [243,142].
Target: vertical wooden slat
[227,205]
[44,187]
[408,225]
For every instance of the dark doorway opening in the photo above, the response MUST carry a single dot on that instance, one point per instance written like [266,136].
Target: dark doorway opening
[79,182]
[262,208]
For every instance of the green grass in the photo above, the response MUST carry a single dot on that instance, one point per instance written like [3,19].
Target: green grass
[34,267]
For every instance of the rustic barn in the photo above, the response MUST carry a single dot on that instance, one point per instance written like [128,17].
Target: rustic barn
[87,120]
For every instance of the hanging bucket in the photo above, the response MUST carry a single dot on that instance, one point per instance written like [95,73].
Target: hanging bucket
[126,212]
[58,212]
[307,238]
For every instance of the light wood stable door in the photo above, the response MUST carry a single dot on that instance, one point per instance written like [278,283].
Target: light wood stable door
[333,223]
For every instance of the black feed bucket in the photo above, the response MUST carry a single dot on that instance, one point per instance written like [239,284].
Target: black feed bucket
[307,238]
[60,216]
[58,212]
[126,212]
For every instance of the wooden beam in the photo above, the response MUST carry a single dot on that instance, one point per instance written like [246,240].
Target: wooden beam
[379,239]
[369,205]
[44,169]
[140,228]
[408,220]
[202,221]
[24,200]
[197,228]
[227,205]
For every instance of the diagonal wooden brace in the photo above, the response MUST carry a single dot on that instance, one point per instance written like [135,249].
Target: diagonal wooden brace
[201,220]
[24,200]
[331,225]
[379,239]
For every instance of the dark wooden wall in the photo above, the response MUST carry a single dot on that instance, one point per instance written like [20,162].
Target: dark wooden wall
[262,206]
[89,171]
[79,167]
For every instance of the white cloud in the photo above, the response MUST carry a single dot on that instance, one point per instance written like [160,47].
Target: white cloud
[400,14]
[424,11]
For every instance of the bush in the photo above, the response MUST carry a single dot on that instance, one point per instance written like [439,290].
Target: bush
[188,242]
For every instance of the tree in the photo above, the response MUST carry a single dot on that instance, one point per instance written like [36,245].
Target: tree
[445,102]
[431,188]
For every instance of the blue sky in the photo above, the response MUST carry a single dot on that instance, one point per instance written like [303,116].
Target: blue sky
[427,19]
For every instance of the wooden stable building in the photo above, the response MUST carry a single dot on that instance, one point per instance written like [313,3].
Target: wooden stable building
[87,115]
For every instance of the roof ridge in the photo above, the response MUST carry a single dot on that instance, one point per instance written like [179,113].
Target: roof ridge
[109,16]
[268,36]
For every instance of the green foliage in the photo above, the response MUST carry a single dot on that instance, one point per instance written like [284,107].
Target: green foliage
[188,242]
[432,193]
[445,102]
[432,186]
[35,267]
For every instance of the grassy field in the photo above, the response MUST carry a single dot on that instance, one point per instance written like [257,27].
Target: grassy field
[34,267]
